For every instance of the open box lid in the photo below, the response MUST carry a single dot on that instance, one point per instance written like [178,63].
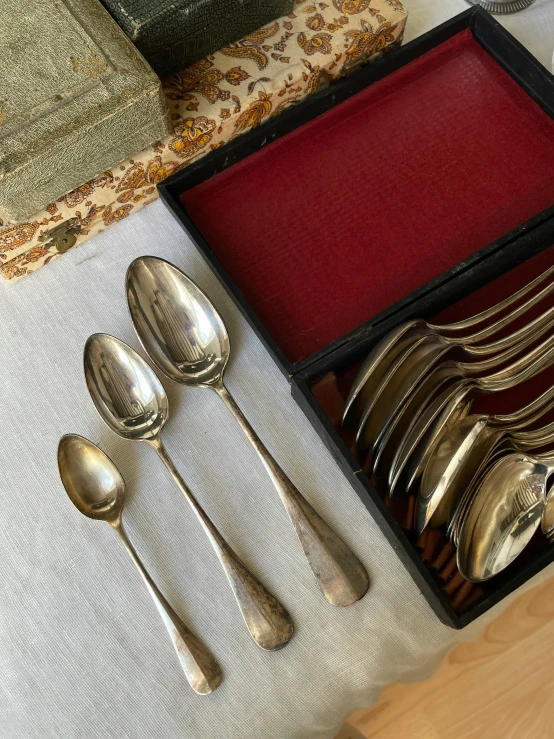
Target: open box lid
[329,219]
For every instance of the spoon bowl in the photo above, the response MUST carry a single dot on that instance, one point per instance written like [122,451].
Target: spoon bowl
[504,514]
[124,388]
[416,446]
[92,481]
[376,365]
[177,324]
[461,449]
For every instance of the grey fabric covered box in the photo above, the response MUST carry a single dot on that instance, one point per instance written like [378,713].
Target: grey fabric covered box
[75,99]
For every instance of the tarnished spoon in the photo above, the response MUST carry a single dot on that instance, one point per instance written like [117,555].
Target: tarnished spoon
[381,357]
[434,380]
[503,449]
[132,401]
[187,340]
[454,403]
[463,446]
[459,455]
[435,358]
[96,487]
[504,514]
[454,525]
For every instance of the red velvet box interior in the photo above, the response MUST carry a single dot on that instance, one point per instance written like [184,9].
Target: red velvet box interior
[355,209]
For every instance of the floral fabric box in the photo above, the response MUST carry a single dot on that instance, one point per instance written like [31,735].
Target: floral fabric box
[212,102]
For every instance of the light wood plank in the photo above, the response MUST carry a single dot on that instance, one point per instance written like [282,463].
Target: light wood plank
[498,686]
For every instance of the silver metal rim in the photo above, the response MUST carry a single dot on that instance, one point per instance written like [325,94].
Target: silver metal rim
[511,6]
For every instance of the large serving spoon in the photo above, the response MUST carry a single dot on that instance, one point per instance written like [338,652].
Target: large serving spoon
[381,357]
[504,514]
[434,379]
[438,362]
[132,401]
[97,489]
[187,340]
[450,405]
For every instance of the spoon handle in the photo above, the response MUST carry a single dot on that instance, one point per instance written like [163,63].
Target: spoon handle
[520,371]
[505,321]
[523,338]
[266,619]
[498,307]
[338,572]
[200,668]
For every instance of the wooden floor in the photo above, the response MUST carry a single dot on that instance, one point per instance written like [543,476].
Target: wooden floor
[499,687]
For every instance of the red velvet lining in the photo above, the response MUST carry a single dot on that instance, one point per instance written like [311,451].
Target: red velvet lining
[349,213]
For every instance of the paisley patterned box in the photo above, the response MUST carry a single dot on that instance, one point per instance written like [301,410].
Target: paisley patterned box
[213,101]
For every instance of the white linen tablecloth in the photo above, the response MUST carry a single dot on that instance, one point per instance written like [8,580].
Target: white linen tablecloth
[83,653]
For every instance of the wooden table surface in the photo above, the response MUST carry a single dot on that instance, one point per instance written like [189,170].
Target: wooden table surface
[499,686]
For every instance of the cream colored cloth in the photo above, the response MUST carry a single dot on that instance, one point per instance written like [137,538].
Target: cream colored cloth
[533,27]
[83,653]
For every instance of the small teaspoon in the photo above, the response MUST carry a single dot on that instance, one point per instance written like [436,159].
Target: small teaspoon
[97,489]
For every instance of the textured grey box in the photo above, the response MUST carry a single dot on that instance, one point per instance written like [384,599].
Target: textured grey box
[174,34]
[76,98]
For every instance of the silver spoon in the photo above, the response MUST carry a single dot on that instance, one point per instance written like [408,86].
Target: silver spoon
[463,446]
[453,403]
[435,379]
[459,455]
[454,525]
[502,450]
[406,376]
[381,357]
[132,401]
[96,487]
[187,340]
[504,514]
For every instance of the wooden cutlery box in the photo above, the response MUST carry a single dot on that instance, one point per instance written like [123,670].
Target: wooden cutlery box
[419,186]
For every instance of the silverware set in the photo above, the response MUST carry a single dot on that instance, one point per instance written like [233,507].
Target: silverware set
[186,339]
[483,477]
